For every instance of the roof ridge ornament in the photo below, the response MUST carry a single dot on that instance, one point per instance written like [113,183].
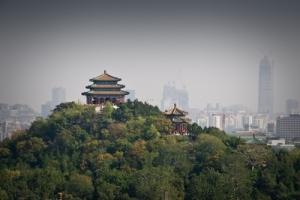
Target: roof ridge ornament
[105,72]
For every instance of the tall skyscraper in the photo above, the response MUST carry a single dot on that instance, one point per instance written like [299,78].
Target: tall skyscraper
[292,106]
[265,90]
[58,95]
[172,95]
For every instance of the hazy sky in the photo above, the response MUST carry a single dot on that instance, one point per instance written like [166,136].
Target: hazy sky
[211,47]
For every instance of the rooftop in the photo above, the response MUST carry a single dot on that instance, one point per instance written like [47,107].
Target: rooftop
[105,77]
[105,86]
[106,93]
[175,111]
[180,119]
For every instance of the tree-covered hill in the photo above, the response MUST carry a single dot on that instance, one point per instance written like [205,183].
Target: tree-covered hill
[128,153]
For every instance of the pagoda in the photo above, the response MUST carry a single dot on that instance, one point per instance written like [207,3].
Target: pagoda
[104,88]
[179,120]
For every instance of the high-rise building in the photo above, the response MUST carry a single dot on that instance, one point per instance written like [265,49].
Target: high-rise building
[260,122]
[288,127]
[265,90]
[203,121]
[271,128]
[292,106]
[218,121]
[46,109]
[3,130]
[247,122]
[214,109]
[58,95]
[172,95]
[230,122]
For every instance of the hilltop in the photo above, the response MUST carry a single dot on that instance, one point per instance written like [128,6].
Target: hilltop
[127,153]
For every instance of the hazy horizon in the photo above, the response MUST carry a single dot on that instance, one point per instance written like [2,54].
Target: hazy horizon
[212,47]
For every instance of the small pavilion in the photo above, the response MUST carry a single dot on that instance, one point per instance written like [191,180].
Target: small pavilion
[179,120]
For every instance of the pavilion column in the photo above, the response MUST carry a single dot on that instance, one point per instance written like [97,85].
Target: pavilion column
[88,99]
[121,99]
[101,100]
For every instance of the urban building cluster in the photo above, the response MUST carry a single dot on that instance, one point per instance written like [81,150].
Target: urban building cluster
[13,118]
[232,119]
[237,120]
[247,125]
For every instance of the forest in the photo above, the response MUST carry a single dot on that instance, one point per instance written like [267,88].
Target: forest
[129,153]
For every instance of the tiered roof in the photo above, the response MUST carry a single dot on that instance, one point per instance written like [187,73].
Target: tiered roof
[177,115]
[92,92]
[112,86]
[175,111]
[105,77]
[105,84]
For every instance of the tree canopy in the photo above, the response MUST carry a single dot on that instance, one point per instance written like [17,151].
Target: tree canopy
[128,153]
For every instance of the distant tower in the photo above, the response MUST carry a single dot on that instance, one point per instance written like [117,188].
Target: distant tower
[58,95]
[172,94]
[292,106]
[265,90]
[105,87]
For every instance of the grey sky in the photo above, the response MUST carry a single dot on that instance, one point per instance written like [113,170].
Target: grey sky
[212,47]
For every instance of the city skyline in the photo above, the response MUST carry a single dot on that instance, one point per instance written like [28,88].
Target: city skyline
[150,99]
[159,103]
[216,56]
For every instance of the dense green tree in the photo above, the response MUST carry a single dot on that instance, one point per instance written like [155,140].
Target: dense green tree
[80,185]
[209,150]
[157,183]
[194,130]
[206,186]
[128,153]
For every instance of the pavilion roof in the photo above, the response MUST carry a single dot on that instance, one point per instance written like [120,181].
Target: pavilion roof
[180,119]
[105,77]
[117,93]
[100,86]
[175,111]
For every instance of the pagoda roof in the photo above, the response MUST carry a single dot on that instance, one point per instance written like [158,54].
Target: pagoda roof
[99,86]
[117,93]
[175,111]
[105,77]
[180,119]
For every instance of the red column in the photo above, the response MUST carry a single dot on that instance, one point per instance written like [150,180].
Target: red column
[89,100]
